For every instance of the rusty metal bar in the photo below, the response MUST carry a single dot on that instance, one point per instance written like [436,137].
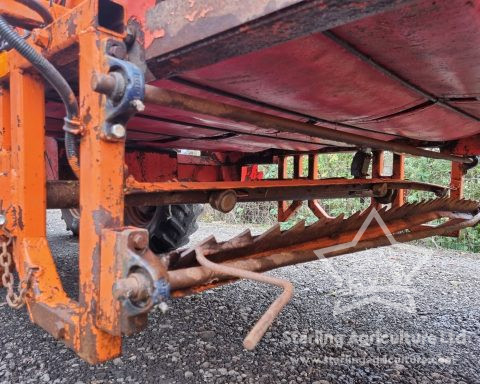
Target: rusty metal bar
[65,194]
[184,36]
[183,280]
[398,172]
[155,95]
[259,329]
[254,102]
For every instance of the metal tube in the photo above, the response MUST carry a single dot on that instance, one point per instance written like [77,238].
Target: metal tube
[261,326]
[62,194]
[187,278]
[65,193]
[172,99]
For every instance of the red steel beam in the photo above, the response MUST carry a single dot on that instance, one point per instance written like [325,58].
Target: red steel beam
[181,35]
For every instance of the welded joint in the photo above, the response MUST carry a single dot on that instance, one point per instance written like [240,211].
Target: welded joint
[261,326]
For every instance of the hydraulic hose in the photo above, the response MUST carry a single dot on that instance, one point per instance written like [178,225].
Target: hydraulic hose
[56,80]
[38,8]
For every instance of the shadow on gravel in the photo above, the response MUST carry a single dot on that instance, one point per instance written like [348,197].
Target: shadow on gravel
[199,338]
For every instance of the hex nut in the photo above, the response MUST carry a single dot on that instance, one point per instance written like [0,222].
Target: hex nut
[118,131]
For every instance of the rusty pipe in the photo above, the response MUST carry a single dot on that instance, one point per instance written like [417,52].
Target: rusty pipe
[136,287]
[65,193]
[106,84]
[261,326]
[184,279]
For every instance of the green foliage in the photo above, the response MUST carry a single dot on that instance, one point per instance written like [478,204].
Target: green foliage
[416,168]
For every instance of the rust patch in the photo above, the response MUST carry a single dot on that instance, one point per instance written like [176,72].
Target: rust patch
[20,218]
[102,218]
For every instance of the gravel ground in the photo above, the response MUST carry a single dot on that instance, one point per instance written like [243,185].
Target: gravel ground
[405,315]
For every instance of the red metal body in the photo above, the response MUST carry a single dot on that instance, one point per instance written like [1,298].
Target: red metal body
[316,77]
[240,83]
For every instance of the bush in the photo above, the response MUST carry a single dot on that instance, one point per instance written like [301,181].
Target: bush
[338,165]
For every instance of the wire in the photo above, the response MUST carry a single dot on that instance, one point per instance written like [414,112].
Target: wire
[56,80]
[38,8]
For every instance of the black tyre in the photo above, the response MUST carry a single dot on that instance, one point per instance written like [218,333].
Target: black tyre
[169,226]
[72,220]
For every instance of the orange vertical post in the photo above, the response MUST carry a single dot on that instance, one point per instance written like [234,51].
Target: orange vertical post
[28,188]
[456,180]
[377,171]
[457,174]
[101,198]
[5,145]
[399,173]
[28,163]
[377,164]
[286,211]
[314,205]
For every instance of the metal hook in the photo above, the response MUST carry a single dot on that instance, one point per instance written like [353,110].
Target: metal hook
[261,326]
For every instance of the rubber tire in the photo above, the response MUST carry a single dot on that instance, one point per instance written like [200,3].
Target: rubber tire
[169,226]
[72,220]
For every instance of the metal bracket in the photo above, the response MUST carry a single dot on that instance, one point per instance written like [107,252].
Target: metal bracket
[126,100]
[130,285]
[360,164]
[473,164]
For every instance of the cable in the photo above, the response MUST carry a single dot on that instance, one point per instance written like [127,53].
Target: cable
[38,8]
[56,80]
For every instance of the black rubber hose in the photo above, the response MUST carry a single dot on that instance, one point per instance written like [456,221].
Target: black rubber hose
[38,8]
[56,80]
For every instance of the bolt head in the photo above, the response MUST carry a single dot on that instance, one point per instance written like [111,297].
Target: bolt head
[163,307]
[140,242]
[118,131]
[40,38]
[130,36]
[138,105]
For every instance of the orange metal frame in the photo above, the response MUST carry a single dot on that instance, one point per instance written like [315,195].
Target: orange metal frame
[85,325]
[23,182]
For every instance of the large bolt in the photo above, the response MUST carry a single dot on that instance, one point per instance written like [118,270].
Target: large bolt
[380,190]
[3,219]
[117,50]
[41,38]
[140,241]
[130,36]
[138,105]
[118,131]
[223,201]
[136,288]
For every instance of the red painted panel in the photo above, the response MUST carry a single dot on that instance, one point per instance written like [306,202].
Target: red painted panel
[472,107]
[431,43]
[433,123]
[312,75]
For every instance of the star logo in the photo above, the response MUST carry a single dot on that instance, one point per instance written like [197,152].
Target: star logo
[390,286]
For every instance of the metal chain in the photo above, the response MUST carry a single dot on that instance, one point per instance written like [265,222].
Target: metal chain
[14,300]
